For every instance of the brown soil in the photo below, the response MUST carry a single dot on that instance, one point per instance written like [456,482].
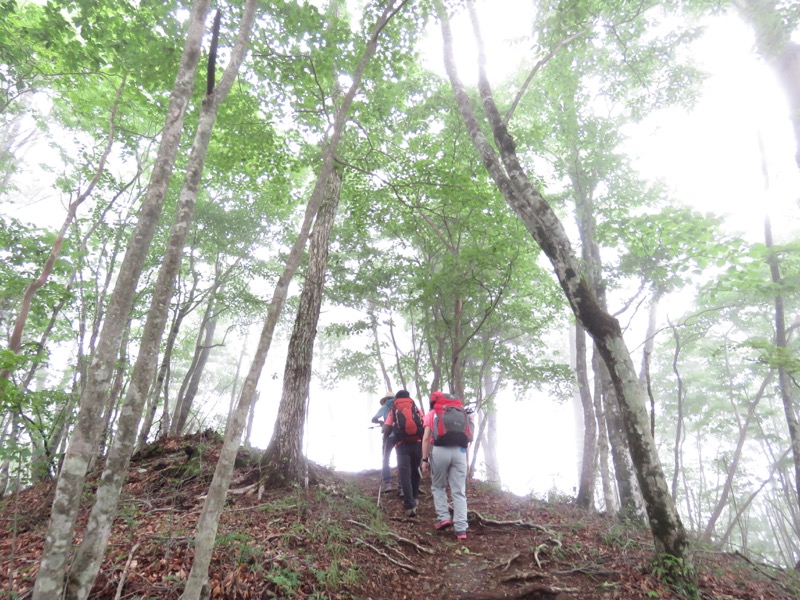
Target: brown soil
[333,541]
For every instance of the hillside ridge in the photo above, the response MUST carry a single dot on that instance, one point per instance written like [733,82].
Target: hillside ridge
[335,540]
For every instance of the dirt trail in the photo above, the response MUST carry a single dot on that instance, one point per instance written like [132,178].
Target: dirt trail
[331,541]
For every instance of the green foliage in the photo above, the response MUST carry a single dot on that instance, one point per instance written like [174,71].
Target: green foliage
[677,574]
[285,579]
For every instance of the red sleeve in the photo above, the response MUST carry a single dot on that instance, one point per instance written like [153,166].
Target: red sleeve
[427,421]
[389,418]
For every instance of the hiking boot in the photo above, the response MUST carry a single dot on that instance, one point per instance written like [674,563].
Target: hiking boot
[461,535]
[411,512]
[442,524]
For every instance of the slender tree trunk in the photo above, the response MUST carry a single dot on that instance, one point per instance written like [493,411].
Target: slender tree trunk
[679,397]
[212,507]
[733,465]
[251,415]
[235,385]
[490,386]
[155,390]
[90,553]
[590,252]
[9,440]
[161,387]
[609,496]
[784,381]
[456,361]
[644,374]
[588,473]
[544,226]
[202,352]
[49,583]
[623,469]
[397,356]
[436,353]
[176,425]
[15,342]
[373,322]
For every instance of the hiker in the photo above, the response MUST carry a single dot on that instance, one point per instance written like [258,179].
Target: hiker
[388,444]
[447,434]
[405,420]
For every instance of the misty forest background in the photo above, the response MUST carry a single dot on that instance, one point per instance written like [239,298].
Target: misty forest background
[222,175]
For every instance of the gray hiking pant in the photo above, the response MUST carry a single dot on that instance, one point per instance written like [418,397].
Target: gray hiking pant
[449,465]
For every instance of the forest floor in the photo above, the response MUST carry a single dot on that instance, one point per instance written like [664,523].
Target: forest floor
[334,541]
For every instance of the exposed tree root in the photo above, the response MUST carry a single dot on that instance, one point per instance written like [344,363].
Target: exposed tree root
[518,523]
[403,565]
[393,535]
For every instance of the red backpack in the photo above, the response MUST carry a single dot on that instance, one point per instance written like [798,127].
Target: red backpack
[452,426]
[406,421]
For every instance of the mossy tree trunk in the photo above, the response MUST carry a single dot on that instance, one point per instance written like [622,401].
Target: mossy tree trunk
[545,227]
[49,583]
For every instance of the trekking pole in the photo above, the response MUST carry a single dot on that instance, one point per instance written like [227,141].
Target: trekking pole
[380,491]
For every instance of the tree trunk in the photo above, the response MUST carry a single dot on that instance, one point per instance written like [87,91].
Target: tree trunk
[202,347]
[610,503]
[398,364]
[588,473]
[161,377]
[644,374]
[212,508]
[490,415]
[784,380]
[590,253]
[283,462]
[733,466]
[544,226]
[235,386]
[15,341]
[437,360]
[203,351]
[49,583]
[90,553]
[456,361]
[251,415]
[373,321]
[629,506]
[9,439]
[679,397]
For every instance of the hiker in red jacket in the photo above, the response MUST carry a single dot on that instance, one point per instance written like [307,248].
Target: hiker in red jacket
[405,421]
[447,434]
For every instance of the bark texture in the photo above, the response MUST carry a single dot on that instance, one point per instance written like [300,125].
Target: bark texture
[212,507]
[92,548]
[58,540]
[545,227]
[588,472]
[283,461]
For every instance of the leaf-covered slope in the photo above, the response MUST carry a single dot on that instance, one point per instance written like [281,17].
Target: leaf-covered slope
[334,541]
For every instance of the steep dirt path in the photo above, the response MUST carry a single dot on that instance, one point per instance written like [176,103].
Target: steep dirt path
[526,548]
[330,541]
